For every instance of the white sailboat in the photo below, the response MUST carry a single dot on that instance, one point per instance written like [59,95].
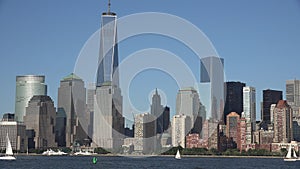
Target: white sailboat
[289,156]
[177,156]
[9,152]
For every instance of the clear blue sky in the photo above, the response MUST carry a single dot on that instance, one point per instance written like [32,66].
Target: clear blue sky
[259,40]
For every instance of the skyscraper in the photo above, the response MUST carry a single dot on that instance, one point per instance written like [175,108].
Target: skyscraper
[157,111]
[71,104]
[269,97]
[188,103]
[232,126]
[108,130]
[26,87]
[108,54]
[145,132]
[234,98]
[212,72]
[180,128]
[249,106]
[40,118]
[283,128]
[293,95]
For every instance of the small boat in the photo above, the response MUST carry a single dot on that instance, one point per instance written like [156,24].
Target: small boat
[177,156]
[83,153]
[50,152]
[289,156]
[9,152]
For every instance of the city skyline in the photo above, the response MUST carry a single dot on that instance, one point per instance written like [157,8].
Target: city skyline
[234,68]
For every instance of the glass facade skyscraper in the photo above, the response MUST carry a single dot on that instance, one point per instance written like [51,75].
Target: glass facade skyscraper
[108,124]
[108,53]
[26,87]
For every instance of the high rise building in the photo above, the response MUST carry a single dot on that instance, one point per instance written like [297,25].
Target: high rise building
[108,130]
[283,127]
[269,97]
[180,128]
[234,98]
[26,87]
[212,72]
[232,126]
[40,118]
[188,103]
[157,111]
[249,106]
[16,133]
[293,95]
[71,106]
[91,91]
[166,118]
[243,133]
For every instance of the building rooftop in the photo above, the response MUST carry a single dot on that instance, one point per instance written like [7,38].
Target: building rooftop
[72,76]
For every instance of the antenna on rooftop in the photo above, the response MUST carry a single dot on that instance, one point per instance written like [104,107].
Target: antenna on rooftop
[109,6]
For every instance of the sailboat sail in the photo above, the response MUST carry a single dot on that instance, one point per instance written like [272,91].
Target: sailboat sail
[177,155]
[289,154]
[9,150]
[294,154]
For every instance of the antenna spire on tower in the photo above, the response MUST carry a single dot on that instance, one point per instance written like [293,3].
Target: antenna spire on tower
[109,6]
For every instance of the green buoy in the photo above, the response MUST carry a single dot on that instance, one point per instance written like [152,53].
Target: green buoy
[94,160]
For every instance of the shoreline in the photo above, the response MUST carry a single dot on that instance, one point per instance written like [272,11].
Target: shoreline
[146,156]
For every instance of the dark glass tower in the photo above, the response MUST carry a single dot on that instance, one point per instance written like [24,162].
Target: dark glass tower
[234,98]
[269,97]
[108,53]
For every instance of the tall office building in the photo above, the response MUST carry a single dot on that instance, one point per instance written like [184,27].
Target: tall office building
[293,95]
[40,118]
[249,106]
[283,128]
[26,87]
[234,98]
[212,72]
[16,133]
[269,97]
[145,132]
[71,106]
[166,118]
[180,128]
[188,103]
[157,111]
[232,126]
[91,91]
[108,119]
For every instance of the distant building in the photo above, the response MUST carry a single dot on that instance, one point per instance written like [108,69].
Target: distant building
[166,118]
[283,128]
[71,104]
[16,133]
[193,141]
[243,133]
[180,128]
[40,118]
[249,106]
[232,126]
[91,91]
[188,103]
[293,99]
[210,134]
[145,130]
[26,87]
[108,124]
[269,97]
[212,73]
[293,95]
[157,111]
[234,98]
